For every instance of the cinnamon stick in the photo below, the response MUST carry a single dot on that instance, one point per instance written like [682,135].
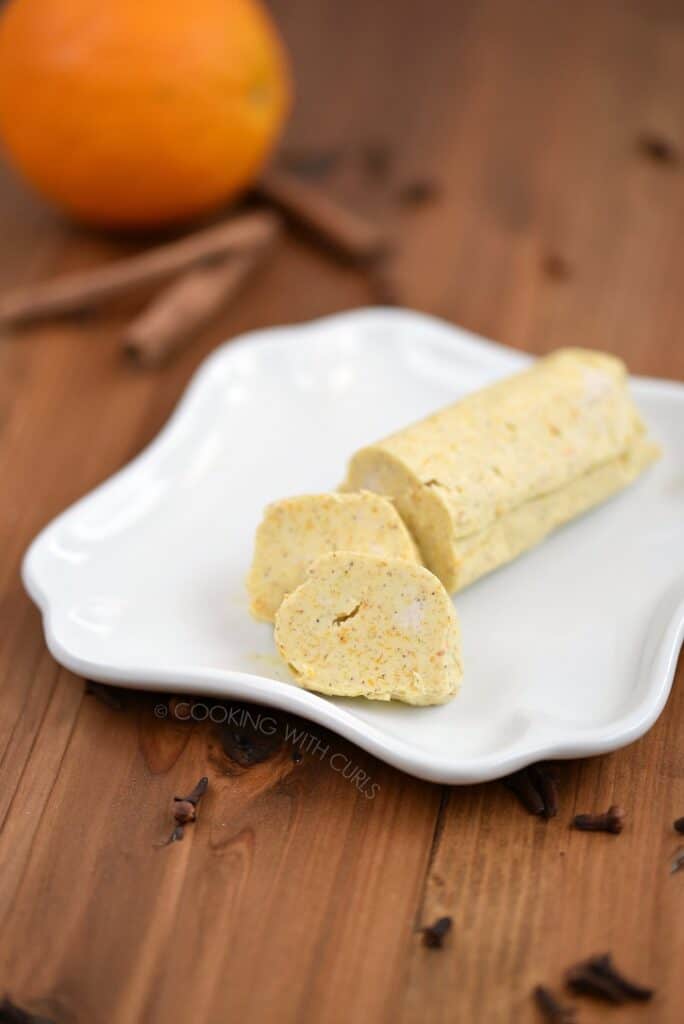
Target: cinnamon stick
[344,232]
[186,305]
[86,288]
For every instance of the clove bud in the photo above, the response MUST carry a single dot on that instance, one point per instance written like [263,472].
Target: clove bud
[536,789]
[598,977]
[554,1011]
[185,810]
[434,934]
[612,821]
[677,861]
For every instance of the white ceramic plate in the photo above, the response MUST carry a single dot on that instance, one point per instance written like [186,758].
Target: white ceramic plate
[569,651]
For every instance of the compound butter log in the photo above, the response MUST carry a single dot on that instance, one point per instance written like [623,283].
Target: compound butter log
[487,478]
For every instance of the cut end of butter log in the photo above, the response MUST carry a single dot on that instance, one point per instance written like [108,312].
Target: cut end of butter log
[363,626]
[296,531]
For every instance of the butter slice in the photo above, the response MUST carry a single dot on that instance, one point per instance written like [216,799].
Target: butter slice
[485,479]
[296,531]
[363,626]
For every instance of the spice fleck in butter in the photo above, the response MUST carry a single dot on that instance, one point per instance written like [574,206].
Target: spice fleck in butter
[362,626]
[296,531]
[485,479]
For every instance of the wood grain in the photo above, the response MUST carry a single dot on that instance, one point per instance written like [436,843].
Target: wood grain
[294,897]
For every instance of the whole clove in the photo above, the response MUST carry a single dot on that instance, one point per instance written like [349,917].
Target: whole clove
[678,826]
[545,778]
[196,795]
[677,861]
[603,965]
[184,810]
[105,694]
[536,789]
[12,1014]
[611,821]
[658,149]
[553,1010]
[522,785]
[434,934]
[599,978]
[584,982]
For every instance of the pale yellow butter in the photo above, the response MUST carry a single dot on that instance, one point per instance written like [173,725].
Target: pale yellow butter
[296,531]
[362,626]
[490,476]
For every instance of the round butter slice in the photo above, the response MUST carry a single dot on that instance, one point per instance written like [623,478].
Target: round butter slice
[296,531]
[362,626]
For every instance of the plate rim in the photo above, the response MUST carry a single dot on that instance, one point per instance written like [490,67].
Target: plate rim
[228,684]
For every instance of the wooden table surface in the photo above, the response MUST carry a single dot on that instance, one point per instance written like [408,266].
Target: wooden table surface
[557,133]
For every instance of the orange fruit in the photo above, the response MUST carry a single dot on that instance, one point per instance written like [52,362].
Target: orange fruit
[133,113]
